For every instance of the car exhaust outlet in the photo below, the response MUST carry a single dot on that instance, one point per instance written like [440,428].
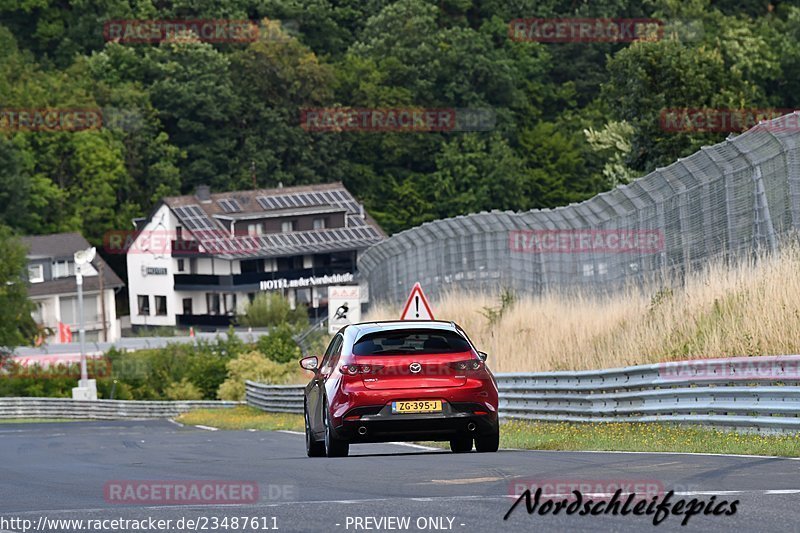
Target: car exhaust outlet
[362,430]
[471,426]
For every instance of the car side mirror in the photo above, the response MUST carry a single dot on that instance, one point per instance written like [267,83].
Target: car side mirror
[310,363]
[483,356]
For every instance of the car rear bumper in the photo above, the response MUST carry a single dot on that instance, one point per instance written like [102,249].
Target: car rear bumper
[379,424]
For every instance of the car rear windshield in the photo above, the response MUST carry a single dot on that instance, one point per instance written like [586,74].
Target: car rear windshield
[411,342]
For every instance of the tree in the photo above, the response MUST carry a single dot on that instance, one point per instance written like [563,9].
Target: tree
[271,310]
[17,326]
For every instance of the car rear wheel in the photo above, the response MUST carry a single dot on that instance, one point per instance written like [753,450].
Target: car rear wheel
[461,444]
[314,448]
[333,446]
[487,443]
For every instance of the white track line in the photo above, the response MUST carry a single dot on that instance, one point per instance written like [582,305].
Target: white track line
[417,446]
[207,428]
[289,432]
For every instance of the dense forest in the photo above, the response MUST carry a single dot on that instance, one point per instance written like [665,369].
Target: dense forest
[570,119]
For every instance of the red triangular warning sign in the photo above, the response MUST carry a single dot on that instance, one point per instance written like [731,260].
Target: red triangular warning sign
[417,306]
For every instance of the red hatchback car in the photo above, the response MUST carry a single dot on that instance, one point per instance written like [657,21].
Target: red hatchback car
[400,381]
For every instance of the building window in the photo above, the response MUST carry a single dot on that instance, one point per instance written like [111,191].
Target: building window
[230,304]
[212,303]
[161,305]
[178,233]
[36,273]
[319,223]
[187,306]
[254,230]
[287,226]
[144,305]
[70,313]
[181,265]
[62,269]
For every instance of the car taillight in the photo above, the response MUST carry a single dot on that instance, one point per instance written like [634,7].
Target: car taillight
[470,364]
[352,370]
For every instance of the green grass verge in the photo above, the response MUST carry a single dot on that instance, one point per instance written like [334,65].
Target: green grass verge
[643,438]
[553,436]
[36,420]
[242,417]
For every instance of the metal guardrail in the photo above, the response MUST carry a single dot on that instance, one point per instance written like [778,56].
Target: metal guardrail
[747,392]
[275,398]
[101,409]
[136,343]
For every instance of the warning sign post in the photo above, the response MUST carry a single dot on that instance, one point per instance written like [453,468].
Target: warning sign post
[417,306]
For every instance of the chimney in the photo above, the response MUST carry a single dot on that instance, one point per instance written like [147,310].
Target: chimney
[203,193]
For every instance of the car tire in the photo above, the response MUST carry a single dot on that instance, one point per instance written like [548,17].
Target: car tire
[314,448]
[333,446]
[461,444]
[487,443]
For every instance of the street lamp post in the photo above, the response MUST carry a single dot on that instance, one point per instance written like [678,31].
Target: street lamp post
[82,327]
[82,258]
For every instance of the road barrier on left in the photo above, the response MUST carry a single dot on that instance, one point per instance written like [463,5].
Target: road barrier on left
[101,409]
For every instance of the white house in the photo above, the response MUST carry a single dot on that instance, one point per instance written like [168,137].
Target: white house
[52,288]
[198,259]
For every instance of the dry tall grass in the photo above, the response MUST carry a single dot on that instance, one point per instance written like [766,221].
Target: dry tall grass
[752,309]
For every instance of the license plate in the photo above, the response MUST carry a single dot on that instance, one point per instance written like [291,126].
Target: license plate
[417,406]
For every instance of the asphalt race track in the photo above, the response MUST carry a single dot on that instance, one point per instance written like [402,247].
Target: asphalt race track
[59,470]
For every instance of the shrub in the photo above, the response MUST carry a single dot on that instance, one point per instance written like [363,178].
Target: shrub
[255,366]
[279,345]
[183,390]
[272,309]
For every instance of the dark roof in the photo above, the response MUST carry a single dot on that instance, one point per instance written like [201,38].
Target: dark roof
[206,220]
[63,246]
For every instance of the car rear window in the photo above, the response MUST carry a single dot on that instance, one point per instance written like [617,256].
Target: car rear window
[411,342]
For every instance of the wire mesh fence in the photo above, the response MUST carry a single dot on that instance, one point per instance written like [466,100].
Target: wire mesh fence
[732,200]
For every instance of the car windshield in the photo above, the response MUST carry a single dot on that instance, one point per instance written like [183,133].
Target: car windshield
[411,342]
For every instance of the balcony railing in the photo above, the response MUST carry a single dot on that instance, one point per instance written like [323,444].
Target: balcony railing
[220,321]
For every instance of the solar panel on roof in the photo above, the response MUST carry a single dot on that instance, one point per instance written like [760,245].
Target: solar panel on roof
[194,218]
[230,205]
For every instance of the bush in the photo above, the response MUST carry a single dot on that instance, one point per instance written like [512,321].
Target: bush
[279,345]
[272,309]
[185,390]
[255,366]
[149,374]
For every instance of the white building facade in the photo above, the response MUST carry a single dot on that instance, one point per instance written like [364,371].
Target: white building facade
[197,260]
[53,290]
